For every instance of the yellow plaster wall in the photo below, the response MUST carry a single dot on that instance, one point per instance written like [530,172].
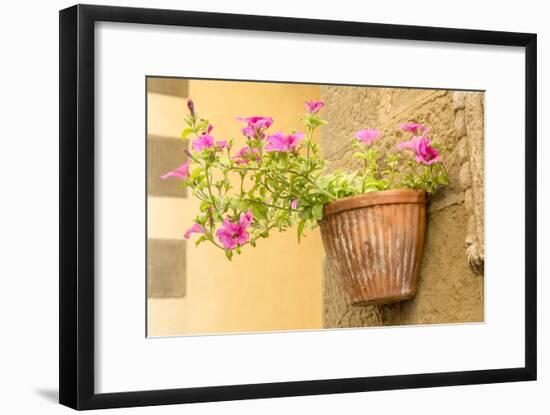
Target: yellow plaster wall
[275,286]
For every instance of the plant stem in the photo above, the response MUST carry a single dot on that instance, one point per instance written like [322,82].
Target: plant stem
[211,239]
[308,144]
[277,207]
[365,166]
[242,183]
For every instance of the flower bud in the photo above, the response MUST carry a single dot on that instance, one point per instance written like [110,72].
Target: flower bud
[191,107]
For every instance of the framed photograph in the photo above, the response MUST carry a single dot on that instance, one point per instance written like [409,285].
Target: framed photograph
[256,207]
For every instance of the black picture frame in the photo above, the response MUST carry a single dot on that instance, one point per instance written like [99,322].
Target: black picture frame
[76,278]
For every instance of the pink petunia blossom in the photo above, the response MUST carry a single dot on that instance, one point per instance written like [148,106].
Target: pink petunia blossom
[196,228]
[182,172]
[233,234]
[415,128]
[263,122]
[221,144]
[244,155]
[313,107]
[294,204]
[367,136]
[246,219]
[422,147]
[425,153]
[202,142]
[409,145]
[255,126]
[281,142]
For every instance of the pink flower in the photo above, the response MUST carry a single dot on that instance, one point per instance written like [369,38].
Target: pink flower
[244,155]
[196,228]
[221,144]
[368,136]
[409,145]
[182,172]
[313,107]
[246,219]
[294,204]
[233,234]
[422,147]
[414,128]
[209,129]
[255,125]
[262,122]
[281,142]
[425,153]
[202,142]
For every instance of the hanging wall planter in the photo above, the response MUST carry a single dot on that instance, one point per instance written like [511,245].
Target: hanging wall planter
[374,243]
[372,219]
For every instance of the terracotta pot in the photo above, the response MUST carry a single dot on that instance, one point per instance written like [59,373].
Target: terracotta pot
[374,243]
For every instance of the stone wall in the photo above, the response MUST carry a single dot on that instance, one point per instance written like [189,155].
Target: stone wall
[451,278]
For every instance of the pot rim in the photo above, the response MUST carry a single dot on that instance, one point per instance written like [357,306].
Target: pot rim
[383,197]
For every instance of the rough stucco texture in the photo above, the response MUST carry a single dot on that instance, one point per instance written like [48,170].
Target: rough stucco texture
[451,277]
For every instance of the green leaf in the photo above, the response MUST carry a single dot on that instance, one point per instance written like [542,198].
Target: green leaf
[202,125]
[259,211]
[183,184]
[317,212]
[305,213]
[301,229]
[186,132]
[204,206]
[189,121]
[252,191]
[229,254]
[238,204]
[196,172]
[443,179]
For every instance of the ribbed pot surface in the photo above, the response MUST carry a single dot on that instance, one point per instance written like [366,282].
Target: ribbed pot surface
[374,242]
